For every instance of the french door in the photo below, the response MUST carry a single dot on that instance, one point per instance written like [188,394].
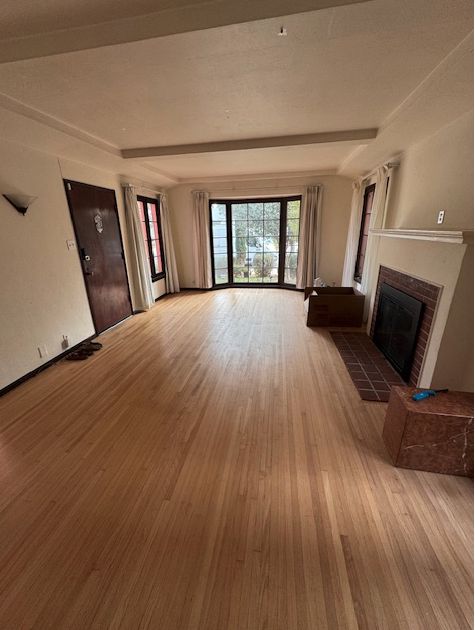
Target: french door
[255,241]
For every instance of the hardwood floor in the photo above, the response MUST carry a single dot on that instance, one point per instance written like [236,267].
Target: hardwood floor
[213,468]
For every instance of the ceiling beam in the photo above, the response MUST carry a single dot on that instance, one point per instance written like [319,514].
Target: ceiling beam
[182,18]
[353,136]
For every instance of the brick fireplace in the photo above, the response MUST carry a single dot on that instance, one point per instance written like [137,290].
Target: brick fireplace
[421,290]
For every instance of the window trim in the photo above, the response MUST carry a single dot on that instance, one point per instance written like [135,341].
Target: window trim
[283,200]
[155,276]
[369,189]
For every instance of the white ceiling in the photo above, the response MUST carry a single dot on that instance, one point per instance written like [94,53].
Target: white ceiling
[237,91]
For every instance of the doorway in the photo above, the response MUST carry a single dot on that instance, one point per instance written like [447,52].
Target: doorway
[255,241]
[99,240]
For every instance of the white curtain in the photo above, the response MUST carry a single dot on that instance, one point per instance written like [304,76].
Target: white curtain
[172,283]
[369,274]
[201,241]
[353,234]
[141,285]
[309,237]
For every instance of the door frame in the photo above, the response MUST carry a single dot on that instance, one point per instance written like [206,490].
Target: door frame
[280,284]
[116,210]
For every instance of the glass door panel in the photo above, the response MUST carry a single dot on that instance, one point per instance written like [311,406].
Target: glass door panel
[292,230]
[255,242]
[219,233]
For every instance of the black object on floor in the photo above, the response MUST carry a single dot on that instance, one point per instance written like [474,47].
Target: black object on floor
[91,346]
[78,355]
[371,373]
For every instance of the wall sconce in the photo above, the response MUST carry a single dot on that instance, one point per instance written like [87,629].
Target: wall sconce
[20,202]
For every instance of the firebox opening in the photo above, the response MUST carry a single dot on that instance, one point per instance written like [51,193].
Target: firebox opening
[397,325]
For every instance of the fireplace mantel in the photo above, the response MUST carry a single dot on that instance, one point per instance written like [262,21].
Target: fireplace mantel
[457,237]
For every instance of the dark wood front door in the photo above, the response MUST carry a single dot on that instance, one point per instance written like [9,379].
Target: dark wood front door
[96,224]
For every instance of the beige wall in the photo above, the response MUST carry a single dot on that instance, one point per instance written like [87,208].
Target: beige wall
[454,368]
[42,288]
[437,263]
[335,217]
[436,174]
[43,295]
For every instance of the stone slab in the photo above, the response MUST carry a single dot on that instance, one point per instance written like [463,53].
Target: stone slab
[435,434]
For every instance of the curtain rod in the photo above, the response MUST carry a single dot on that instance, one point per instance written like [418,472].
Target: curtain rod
[390,165]
[244,191]
[155,192]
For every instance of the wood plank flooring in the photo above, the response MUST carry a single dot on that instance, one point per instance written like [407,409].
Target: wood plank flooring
[213,468]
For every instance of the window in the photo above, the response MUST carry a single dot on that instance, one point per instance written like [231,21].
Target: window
[152,235]
[255,241]
[364,231]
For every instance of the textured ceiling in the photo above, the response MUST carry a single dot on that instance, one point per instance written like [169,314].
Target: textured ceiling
[30,17]
[373,65]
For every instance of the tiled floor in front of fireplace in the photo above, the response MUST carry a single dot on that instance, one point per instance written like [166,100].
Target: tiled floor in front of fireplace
[371,373]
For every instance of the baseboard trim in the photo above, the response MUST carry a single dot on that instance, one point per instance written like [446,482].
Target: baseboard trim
[160,297]
[251,285]
[35,372]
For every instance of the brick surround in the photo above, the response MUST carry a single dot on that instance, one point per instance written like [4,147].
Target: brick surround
[421,290]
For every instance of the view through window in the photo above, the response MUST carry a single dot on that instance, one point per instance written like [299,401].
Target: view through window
[152,234]
[255,241]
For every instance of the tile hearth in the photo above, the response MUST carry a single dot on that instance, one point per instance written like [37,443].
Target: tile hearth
[371,373]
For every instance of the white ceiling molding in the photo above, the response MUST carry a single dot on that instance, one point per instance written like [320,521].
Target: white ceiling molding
[259,176]
[34,114]
[464,49]
[160,172]
[182,18]
[352,136]
[430,107]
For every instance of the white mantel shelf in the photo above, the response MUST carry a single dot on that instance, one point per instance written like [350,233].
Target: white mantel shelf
[457,237]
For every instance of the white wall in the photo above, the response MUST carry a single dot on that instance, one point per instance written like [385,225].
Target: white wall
[335,217]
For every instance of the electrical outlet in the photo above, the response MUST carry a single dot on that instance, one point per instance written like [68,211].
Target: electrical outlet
[65,342]
[440,218]
[71,245]
[42,351]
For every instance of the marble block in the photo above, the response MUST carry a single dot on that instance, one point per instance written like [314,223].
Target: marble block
[435,434]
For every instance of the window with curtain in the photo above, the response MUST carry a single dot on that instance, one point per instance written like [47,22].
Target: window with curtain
[152,235]
[255,241]
[364,231]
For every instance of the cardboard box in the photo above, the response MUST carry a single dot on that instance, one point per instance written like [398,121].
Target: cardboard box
[334,306]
